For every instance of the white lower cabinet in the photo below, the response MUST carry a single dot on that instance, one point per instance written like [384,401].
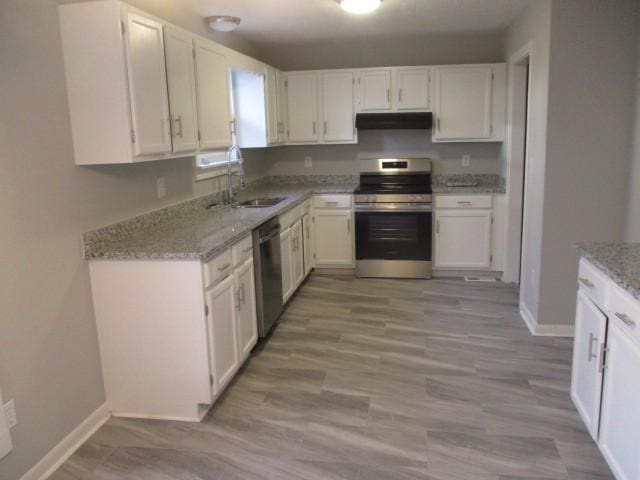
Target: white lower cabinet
[334,238]
[606,391]
[309,245]
[588,347]
[286,252]
[173,333]
[247,324]
[222,301]
[620,417]
[463,239]
[297,254]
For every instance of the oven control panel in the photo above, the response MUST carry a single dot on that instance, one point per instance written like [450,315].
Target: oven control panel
[418,198]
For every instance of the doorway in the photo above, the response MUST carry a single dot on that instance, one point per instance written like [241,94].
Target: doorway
[517,161]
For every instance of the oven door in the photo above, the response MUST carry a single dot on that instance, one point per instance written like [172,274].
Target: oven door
[393,235]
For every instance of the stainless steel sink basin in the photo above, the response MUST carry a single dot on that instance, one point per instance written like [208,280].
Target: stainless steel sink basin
[260,202]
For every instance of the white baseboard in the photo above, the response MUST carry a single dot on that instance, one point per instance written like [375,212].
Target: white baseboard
[544,330]
[69,444]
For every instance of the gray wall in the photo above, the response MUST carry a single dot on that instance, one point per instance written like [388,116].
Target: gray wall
[49,362]
[591,87]
[366,52]
[343,159]
[632,230]
[533,27]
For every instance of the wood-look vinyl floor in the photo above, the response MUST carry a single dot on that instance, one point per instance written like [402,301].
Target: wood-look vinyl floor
[375,379]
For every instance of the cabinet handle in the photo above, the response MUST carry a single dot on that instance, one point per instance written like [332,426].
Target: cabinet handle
[438,226]
[590,354]
[330,204]
[586,282]
[314,127]
[325,127]
[388,95]
[236,299]
[243,294]
[224,267]
[308,234]
[429,89]
[602,365]
[625,319]
[178,122]
[400,95]
[438,125]
[464,202]
[349,225]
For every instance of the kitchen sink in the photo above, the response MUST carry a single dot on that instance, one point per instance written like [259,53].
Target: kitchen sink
[260,202]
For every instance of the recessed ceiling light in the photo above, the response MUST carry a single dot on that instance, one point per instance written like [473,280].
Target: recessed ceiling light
[360,6]
[223,23]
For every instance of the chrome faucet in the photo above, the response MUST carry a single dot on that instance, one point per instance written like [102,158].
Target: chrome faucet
[229,195]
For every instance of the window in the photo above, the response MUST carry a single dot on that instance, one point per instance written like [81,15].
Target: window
[212,164]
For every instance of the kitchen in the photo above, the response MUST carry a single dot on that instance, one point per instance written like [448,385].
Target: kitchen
[363,235]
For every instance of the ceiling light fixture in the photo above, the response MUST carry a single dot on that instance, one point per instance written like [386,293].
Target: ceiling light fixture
[223,23]
[360,6]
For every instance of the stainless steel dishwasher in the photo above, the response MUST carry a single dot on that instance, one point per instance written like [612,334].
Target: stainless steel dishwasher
[268,273]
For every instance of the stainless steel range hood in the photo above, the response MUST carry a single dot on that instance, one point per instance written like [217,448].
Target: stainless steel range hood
[394,121]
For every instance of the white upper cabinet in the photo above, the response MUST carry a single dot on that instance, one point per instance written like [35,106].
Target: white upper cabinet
[182,89]
[249,108]
[302,111]
[147,85]
[469,103]
[338,114]
[212,83]
[271,93]
[375,90]
[412,87]
[282,106]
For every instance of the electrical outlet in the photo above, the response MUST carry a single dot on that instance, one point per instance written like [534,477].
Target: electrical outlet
[308,162]
[10,414]
[466,160]
[161,187]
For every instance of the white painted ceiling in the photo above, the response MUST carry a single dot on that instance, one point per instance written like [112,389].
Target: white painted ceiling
[281,22]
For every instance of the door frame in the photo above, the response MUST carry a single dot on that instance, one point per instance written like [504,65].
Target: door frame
[517,143]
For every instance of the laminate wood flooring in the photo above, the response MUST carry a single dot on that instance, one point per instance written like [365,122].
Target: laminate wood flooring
[375,379]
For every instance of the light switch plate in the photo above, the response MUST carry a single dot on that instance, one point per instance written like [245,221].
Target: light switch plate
[308,162]
[466,160]
[161,187]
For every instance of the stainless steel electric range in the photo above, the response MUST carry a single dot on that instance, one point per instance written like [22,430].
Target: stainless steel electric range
[393,209]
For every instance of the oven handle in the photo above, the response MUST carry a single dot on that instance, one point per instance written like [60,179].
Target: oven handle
[393,208]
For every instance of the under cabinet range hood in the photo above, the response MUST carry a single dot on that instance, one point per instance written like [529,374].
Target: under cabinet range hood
[394,121]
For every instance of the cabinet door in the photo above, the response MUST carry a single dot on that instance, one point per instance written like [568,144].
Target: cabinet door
[147,86]
[463,239]
[333,238]
[297,254]
[620,418]
[271,91]
[308,242]
[282,107]
[302,114]
[586,375]
[463,96]
[212,93]
[222,302]
[286,253]
[412,89]
[247,325]
[182,90]
[338,107]
[375,90]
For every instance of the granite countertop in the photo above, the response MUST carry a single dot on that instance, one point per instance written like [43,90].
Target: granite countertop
[467,183]
[619,261]
[191,231]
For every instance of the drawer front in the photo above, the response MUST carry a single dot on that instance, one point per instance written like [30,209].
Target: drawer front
[594,283]
[625,310]
[218,268]
[242,250]
[463,201]
[332,201]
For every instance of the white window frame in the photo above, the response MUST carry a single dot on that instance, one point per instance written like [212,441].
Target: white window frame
[217,165]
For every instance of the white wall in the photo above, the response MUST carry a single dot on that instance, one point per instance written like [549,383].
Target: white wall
[49,362]
[366,52]
[591,92]
[580,134]
[343,159]
[534,26]
[632,228]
